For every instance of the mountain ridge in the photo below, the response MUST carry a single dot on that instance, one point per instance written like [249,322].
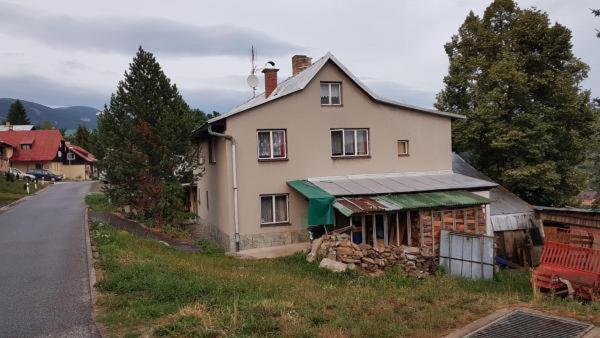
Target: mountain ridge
[62,117]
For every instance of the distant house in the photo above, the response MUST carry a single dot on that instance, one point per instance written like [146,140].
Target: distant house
[16,127]
[46,149]
[587,198]
[35,149]
[79,164]
[6,151]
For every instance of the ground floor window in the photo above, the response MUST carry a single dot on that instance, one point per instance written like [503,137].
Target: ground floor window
[274,209]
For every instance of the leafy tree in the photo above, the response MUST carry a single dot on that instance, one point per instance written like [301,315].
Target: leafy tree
[17,114]
[82,137]
[514,75]
[144,136]
[46,125]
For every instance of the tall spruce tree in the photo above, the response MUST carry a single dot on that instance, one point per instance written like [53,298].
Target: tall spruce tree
[144,134]
[514,75]
[17,114]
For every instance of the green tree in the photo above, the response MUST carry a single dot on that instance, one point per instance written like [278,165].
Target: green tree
[82,137]
[46,125]
[596,12]
[144,136]
[514,75]
[17,114]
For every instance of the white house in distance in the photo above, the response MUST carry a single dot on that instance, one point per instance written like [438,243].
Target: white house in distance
[320,150]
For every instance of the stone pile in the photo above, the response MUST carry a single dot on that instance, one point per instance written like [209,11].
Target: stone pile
[366,258]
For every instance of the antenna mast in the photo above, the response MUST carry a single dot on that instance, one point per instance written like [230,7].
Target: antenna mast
[252,78]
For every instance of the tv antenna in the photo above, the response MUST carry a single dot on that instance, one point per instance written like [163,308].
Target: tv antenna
[252,79]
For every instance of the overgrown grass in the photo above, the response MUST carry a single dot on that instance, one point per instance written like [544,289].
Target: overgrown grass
[147,288]
[11,191]
[98,201]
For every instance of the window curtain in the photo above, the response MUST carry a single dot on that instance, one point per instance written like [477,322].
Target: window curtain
[266,209]
[264,145]
[278,144]
[324,93]
[335,93]
[361,142]
[349,142]
[336,143]
[281,208]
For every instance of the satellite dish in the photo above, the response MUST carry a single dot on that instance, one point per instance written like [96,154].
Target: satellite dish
[252,80]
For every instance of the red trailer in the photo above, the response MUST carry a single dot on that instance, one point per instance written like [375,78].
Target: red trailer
[568,268]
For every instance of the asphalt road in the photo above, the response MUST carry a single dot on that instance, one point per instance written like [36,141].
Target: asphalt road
[44,277]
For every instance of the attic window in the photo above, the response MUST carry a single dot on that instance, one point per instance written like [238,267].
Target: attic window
[26,146]
[331,93]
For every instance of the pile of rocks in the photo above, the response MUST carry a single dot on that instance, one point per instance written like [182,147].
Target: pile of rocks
[339,254]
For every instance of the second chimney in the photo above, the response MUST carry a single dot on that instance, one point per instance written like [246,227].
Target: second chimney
[300,63]
[270,80]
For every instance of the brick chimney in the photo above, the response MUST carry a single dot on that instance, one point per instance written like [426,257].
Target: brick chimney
[270,80]
[300,63]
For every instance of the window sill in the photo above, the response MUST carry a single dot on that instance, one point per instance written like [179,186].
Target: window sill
[267,225]
[273,159]
[403,155]
[332,105]
[349,157]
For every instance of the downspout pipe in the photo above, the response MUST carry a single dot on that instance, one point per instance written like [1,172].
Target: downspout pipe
[236,217]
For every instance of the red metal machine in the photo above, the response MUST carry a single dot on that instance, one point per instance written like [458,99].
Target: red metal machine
[568,268]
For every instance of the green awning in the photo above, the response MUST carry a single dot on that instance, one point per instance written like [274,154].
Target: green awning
[396,202]
[320,202]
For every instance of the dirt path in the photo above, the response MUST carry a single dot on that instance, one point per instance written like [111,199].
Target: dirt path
[138,230]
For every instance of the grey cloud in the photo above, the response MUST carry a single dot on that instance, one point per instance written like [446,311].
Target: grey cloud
[120,35]
[221,100]
[400,92]
[48,92]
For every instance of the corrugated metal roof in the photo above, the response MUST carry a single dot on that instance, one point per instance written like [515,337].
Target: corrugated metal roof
[388,203]
[504,201]
[302,79]
[377,184]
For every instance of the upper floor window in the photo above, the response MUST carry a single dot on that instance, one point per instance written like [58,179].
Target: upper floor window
[331,93]
[272,144]
[25,146]
[71,156]
[349,142]
[402,147]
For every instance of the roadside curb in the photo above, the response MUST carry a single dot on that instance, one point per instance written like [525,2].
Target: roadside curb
[90,258]
[91,271]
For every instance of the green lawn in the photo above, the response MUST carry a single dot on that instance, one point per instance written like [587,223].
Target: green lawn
[146,288]
[12,191]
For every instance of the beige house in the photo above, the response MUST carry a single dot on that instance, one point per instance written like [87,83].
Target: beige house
[320,151]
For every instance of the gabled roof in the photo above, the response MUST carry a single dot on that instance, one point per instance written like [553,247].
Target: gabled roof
[299,81]
[84,154]
[44,144]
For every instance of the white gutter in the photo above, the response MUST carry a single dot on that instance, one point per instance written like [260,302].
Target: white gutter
[236,217]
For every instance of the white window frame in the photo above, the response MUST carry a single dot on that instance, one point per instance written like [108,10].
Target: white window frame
[405,147]
[70,156]
[343,130]
[339,84]
[271,156]
[287,209]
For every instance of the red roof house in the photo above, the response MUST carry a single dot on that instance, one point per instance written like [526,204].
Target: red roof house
[35,148]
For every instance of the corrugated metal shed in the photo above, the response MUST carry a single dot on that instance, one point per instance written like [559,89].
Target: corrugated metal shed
[389,203]
[393,183]
[508,212]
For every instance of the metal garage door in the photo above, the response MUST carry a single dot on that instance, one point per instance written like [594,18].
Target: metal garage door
[469,256]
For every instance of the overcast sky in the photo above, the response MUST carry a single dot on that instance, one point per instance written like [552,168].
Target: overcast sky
[73,52]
